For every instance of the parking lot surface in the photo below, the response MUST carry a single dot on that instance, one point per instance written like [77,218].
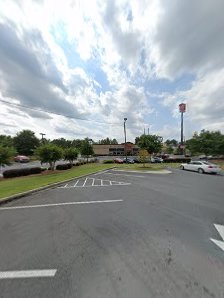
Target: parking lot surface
[116,234]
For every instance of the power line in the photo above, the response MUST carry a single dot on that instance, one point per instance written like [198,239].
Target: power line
[58,114]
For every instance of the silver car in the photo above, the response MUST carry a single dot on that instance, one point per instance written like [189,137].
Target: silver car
[201,167]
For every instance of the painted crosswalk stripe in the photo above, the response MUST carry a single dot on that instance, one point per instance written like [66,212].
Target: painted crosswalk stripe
[27,274]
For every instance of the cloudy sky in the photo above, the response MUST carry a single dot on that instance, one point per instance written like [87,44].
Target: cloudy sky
[76,68]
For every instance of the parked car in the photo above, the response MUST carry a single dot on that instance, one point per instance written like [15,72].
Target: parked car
[201,167]
[129,160]
[156,159]
[21,158]
[136,160]
[118,160]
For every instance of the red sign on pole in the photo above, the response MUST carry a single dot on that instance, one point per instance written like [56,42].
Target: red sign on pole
[182,107]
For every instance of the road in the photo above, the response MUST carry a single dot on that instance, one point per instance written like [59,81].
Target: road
[116,234]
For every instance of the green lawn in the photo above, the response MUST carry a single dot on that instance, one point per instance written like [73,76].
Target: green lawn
[148,167]
[14,186]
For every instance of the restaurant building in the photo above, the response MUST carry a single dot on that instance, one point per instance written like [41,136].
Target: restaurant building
[115,149]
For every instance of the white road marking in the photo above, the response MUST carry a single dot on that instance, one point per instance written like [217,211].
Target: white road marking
[220,230]
[84,182]
[102,182]
[76,183]
[60,204]
[27,274]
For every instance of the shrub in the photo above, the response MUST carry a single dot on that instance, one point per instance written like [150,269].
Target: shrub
[108,161]
[21,172]
[64,166]
[177,160]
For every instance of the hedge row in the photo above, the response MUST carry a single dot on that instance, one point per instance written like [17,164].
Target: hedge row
[21,172]
[182,160]
[37,170]
[108,161]
[65,166]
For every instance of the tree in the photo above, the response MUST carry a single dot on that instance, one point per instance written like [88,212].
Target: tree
[152,143]
[143,156]
[108,141]
[62,142]
[49,153]
[71,154]
[206,142]
[86,149]
[172,143]
[5,155]
[6,141]
[25,142]
[169,149]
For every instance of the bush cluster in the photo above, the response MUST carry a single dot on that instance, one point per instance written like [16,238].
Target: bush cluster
[108,161]
[177,160]
[21,172]
[65,166]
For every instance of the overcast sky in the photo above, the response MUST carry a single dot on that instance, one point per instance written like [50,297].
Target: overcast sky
[92,63]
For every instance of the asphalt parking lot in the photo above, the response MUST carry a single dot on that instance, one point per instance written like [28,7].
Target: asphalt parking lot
[116,234]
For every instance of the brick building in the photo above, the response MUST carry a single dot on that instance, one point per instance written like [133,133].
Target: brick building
[115,150]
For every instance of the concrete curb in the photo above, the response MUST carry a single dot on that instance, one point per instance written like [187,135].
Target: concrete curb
[26,193]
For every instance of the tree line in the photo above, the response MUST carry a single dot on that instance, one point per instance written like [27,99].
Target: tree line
[26,143]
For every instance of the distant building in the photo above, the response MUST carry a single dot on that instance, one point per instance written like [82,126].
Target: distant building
[115,150]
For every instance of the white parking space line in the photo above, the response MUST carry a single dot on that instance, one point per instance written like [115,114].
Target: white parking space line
[27,274]
[76,183]
[60,204]
[90,182]
[84,182]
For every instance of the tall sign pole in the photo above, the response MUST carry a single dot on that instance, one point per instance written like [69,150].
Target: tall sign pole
[182,110]
[125,141]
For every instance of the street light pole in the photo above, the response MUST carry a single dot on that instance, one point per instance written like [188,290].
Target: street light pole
[125,119]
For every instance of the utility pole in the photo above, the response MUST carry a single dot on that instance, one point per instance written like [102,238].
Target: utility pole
[125,149]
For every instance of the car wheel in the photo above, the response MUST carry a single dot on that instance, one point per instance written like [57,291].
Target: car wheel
[182,167]
[200,171]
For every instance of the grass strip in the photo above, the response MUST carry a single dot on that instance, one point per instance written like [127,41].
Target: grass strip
[14,186]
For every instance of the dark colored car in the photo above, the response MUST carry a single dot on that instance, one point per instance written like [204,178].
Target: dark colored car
[129,160]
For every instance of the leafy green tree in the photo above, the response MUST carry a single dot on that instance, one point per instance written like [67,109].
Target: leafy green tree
[172,143]
[206,142]
[87,149]
[5,155]
[71,154]
[6,141]
[169,149]
[152,143]
[108,141]
[62,142]
[49,153]
[26,142]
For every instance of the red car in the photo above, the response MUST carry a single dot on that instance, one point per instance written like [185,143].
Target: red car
[118,160]
[21,158]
